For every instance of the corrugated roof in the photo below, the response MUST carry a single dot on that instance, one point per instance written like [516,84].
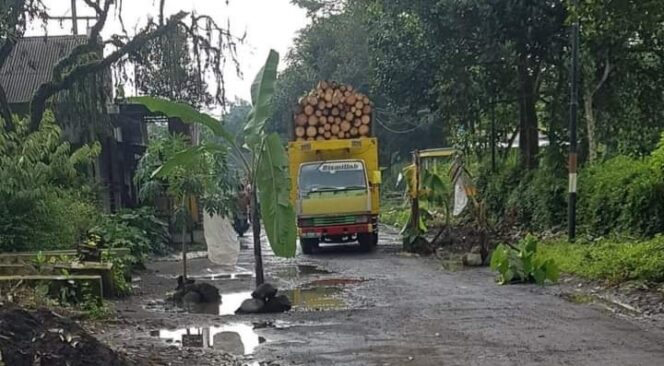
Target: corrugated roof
[31,64]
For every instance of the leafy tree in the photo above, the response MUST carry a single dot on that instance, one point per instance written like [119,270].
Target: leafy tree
[212,46]
[45,201]
[164,67]
[266,167]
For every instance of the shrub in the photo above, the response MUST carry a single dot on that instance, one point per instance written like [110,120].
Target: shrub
[622,194]
[522,264]
[42,192]
[139,230]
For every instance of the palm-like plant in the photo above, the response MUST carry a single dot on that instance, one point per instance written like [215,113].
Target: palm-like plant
[263,161]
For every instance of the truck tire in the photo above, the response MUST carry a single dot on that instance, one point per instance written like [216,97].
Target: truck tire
[309,245]
[367,241]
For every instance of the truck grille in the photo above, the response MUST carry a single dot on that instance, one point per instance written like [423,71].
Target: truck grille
[335,220]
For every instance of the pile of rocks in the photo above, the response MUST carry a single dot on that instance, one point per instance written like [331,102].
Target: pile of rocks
[265,300]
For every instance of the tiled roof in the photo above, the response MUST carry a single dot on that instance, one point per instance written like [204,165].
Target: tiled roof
[31,64]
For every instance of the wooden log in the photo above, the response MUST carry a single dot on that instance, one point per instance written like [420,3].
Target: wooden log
[321,104]
[300,131]
[311,131]
[319,137]
[330,119]
[366,109]
[321,130]
[301,119]
[349,117]
[337,120]
[327,134]
[318,113]
[359,105]
[365,119]
[327,126]
[313,120]
[358,113]
[354,131]
[357,122]
[328,105]
[345,126]
[364,130]
[335,111]
[335,129]
[341,134]
[351,100]
[308,110]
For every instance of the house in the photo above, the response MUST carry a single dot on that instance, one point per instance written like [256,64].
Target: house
[120,128]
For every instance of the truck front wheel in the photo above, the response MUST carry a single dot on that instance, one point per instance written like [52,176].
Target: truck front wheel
[367,241]
[309,245]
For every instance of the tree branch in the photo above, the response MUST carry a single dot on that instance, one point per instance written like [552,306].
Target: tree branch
[92,44]
[16,13]
[605,76]
[47,90]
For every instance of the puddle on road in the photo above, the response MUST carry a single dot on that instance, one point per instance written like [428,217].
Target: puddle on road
[314,298]
[237,338]
[301,270]
[336,282]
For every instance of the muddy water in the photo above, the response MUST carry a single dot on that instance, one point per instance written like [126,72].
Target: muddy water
[235,338]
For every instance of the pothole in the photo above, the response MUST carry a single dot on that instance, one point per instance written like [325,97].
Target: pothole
[235,338]
[301,270]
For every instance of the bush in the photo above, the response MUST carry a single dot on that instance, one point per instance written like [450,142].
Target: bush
[536,199]
[622,195]
[613,260]
[139,230]
[51,220]
[43,191]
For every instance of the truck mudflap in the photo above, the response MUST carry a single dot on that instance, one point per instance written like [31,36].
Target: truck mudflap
[337,230]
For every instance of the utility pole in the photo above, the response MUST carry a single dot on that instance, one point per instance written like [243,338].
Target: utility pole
[493,135]
[74,18]
[573,110]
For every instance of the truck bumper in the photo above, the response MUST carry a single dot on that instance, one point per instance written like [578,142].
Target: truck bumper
[340,230]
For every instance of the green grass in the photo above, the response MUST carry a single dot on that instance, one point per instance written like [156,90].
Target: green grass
[613,260]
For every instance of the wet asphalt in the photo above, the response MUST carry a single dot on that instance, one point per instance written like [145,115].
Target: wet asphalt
[378,308]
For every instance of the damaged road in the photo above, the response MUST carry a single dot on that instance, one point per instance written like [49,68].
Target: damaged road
[379,308]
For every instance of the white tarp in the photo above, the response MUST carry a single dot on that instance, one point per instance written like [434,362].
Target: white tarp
[460,197]
[222,241]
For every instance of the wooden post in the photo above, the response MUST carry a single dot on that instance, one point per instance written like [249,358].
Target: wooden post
[415,205]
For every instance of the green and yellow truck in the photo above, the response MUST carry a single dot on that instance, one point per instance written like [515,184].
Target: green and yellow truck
[335,191]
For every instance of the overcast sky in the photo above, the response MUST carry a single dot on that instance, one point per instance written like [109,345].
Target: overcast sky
[268,23]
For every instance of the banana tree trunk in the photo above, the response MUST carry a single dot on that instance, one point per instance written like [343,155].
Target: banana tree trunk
[184,240]
[256,228]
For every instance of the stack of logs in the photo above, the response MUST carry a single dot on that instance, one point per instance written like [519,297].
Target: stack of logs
[333,111]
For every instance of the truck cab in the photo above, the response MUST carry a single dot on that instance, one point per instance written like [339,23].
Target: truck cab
[335,191]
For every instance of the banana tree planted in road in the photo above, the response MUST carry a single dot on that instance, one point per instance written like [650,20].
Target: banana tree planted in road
[263,160]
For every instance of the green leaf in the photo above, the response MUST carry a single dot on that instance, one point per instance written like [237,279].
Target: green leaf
[273,183]
[539,276]
[552,271]
[262,91]
[184,112]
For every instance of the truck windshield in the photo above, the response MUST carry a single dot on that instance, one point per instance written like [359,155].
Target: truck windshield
[332,176]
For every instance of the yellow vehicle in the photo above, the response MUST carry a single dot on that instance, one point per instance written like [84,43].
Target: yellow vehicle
[335,190]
